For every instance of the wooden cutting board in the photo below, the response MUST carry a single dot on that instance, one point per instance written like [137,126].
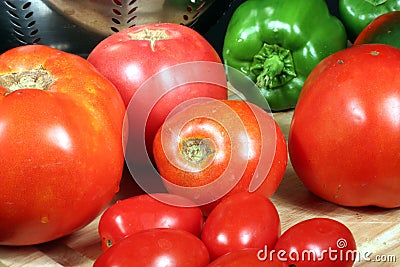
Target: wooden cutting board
[377,231]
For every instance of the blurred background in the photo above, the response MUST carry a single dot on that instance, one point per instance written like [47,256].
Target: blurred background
[76,26]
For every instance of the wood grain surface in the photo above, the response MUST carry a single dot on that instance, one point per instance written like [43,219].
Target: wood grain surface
[377,231]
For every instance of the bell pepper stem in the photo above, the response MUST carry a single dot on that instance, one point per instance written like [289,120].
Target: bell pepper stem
[273,66]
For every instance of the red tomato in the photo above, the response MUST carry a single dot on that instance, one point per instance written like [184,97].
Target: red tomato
[242,220]
[145,211]
[343,137]
[61,144]
[214,148]
[245,257]
[316,242]
[156,247]
[132,56]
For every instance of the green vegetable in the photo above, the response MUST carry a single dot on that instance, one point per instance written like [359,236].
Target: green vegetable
[277,43]
[385,29]
[357,14]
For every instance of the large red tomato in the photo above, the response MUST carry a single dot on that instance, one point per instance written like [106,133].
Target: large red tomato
[214,148]
[156,247]
[61,144]
[146,211]
[344,137]
[241,221]
[132,56]
[316,242]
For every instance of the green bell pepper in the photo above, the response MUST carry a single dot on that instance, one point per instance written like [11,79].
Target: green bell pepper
[357,14]
[385,29]
[276,43]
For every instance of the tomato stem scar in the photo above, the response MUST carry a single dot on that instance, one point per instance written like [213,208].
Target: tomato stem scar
[197,150]
[37,79]
[150,35]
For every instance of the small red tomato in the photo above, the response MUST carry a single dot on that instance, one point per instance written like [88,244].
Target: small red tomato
[214,148]
[241,220]
[245,257]
[156,247]
[316,242]
[145,211]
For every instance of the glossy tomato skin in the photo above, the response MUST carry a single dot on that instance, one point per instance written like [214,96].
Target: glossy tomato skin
[61,148]
[317,242]
[342,139]
[245,257]
[146,211]
[128,59]
[156,247]
[240,221]
[260,158]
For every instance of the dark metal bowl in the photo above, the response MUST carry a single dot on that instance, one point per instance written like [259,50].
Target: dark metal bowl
[77,26]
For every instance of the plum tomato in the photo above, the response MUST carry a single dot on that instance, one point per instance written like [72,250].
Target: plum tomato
[61,144]
[241,220]
[131,215]
[344,135]
[156,247]
[212,148]
[316,242]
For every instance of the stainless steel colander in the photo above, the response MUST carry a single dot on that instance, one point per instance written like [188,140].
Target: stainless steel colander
[78,25]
